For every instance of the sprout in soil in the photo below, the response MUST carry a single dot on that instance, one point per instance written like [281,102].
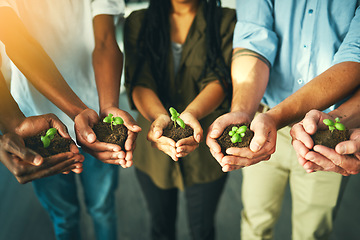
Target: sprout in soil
[113,120]
[237,134]
[48,137]
[334,125]
[175,117]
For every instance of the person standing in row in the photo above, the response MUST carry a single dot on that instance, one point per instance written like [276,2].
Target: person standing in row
[178,55]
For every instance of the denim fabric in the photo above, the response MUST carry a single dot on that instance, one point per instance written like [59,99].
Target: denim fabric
[59,196]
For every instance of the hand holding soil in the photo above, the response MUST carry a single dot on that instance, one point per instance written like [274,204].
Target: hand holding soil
[119,128]
[316,157]
[26,165]
[31,130]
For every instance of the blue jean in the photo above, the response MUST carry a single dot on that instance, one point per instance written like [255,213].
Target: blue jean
[59,196]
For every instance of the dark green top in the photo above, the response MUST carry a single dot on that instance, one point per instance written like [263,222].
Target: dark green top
[199,166]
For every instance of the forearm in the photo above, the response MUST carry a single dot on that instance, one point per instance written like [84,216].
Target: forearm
[323,91]
[349,112]
[107,62]
[207,101]
[11,116]
[250,76]
[32,60]
[148,103]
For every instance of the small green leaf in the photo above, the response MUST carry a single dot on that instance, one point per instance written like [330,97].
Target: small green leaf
[339,126]
[173,118]
[337,120]
[51,137]
[242,129]
[234,128]
[46,141]
[328,122]
[118,120]
[51,132]
[173,112]
[235,138]
[180,122]
[231,133]
[110,115]
[331,128]
[242,134]
[107,119]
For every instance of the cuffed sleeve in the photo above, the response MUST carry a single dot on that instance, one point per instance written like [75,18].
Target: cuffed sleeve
[254,29]
[350,48]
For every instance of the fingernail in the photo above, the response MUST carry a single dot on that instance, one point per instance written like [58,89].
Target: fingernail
[37,160]
[214,133]
[254,147]
[91,138]
[342,149]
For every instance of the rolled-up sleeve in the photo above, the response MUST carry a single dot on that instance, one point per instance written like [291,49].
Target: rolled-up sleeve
[350,48]
[254,28]
[109,7]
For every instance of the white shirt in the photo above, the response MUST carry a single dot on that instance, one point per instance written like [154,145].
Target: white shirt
[64,29]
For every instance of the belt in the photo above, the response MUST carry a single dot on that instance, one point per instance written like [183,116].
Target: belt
[263,108]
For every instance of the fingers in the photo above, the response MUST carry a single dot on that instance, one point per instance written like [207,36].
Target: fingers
[14,144]
[166,145]
[352,146]
[298,132]
[347,163]
[83,123]
[55,122]
[185,146]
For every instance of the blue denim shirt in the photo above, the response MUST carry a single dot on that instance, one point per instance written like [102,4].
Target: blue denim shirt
[301,39]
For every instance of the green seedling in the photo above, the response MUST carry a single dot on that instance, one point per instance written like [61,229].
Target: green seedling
[113,120]
[237,134]
[175,117]
[49,135]
[334,125]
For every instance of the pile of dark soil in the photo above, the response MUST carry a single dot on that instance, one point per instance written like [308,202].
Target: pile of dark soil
[225,140]
[117,136]
[57,145]
[330,138]
[176,132]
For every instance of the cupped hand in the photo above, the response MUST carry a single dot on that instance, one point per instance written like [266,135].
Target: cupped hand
[303,144]
[26,165]
[133,130]
[217,128]
[31,126]
[189,144]
[86,138]
[155,136]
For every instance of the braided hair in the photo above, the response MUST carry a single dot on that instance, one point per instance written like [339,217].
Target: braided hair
[154,41]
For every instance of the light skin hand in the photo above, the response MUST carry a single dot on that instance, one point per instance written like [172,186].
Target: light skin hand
[261,146]
[189,144]
[344,159]
[133,130]
[165,144]
[217,128]
[105,152]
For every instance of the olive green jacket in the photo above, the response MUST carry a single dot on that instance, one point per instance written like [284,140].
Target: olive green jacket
[199,166]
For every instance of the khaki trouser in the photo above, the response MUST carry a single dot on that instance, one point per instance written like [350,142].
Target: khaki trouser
[314,195]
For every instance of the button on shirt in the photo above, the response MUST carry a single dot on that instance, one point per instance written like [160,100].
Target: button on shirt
[301,39]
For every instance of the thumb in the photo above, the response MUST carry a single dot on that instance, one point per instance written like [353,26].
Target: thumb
[19,150]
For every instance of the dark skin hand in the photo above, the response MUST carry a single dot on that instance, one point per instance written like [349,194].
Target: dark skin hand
[26,165]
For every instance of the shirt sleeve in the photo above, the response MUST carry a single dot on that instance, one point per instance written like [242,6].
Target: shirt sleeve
[350,48]
[144,78]
[254,28]
[109,7]
[226,34]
